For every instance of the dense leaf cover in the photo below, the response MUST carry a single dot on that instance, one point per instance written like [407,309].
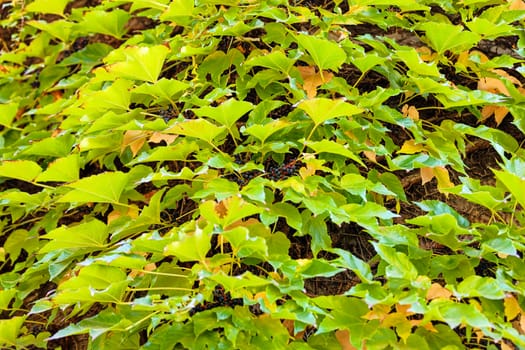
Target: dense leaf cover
[190,174]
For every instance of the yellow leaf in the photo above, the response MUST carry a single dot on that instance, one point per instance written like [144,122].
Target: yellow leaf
[410,147]
[426,174]
[158,137]
[312,79]
[512,308]
[442,177]
[135,139]
[438,291]
[378,312]
[504,346]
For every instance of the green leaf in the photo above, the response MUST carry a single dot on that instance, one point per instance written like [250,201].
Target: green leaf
[323,109]
[90,235]
[163,89]
[62,170]
[416,64]
[10,329]
[447,37]
[399,265]
[275,60]
[179,11]
[325,54]
[192,246]
[246,280]
[18,240]
[455,314]
[333,147]
[105,22]
[102,188]
[25,170]
[197,128]
[514,184]
[245,245]
[227,113]
[318,268]
[477,286]
[263,131]
[115,97]
[93,283]
[7,113]
[47,6]
[137,62]
[105,321]
[353,263]
[60,29]
[52,146]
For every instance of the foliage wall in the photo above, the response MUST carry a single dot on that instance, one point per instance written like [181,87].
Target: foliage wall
[234,173]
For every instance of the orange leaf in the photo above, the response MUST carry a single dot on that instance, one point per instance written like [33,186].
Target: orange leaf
[426,53]
[517,5]
[411,147]
[427,174]
[135,139]
[371,155]
[312,79]
[411,112]
[512,308]
[443,177]
[289,325]
[343,337]
[158,137]
[438,291]
[221,209]
[505,346]
[493,85]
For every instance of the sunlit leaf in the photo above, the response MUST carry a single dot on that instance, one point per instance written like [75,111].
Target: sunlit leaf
[103,188]
[138,62]
[64,169]
[20,169]
[227,113]
[447,37]
[105,22]
[275,60]
[325,54]
[90,235]
[7,113]
[47,6]
[192,246]
[197,128]
[323,109]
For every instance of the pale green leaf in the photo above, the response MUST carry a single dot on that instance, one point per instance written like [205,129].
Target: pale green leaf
[102,188]
[227,113]
[47,6]
[105,22]
[323,109]
[325,53]
[138,62]
[25,170]
[197,128]
[7,113]
[63,170]
[91,235]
